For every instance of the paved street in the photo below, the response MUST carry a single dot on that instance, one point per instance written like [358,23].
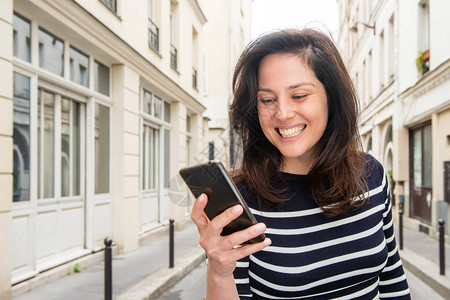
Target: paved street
[193,286]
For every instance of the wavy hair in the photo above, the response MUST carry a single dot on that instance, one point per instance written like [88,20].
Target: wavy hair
[336,178]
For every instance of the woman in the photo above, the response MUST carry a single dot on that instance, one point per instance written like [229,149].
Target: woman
[323,205]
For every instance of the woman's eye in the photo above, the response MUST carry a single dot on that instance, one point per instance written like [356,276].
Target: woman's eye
[298,97]
[267,100]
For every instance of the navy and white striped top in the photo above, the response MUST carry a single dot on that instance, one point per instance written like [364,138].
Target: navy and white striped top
[352,255]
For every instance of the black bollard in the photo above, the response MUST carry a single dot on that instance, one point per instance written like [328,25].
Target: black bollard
[108,269]
[441,247]
[171,243]
[400,215]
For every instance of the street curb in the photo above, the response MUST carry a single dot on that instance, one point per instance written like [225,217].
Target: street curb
[427,272]
[157,283]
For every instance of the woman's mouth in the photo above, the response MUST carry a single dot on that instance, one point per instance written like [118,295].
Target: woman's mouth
[291,132]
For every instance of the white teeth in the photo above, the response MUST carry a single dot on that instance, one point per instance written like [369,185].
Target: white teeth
[286,133]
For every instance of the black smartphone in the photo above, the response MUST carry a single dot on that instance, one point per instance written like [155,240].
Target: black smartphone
[212,179]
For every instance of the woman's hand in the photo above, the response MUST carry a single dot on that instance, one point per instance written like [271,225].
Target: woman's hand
[221,250]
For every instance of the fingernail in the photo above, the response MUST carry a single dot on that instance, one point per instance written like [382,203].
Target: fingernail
[201,198]
[267,242]
[260,227]
[236,209]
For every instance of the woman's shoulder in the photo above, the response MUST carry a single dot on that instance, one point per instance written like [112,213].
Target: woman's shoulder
[374,173]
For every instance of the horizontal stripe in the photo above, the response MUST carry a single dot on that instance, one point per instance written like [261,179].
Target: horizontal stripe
[317,246]
[394,294]
[317,283]
[393,280]
[348,220]
[242,264]
[241,281]
[359,293]
[289,214]
[319,264]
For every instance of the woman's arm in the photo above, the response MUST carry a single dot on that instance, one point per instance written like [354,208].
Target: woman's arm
[224,251]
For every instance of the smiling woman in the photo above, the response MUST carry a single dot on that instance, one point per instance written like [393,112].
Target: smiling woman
[323,204]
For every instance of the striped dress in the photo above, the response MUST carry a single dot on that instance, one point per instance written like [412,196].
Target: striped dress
[352,255]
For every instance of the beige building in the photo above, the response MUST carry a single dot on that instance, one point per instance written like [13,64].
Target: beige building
[219,68]
[397,54]
[102,101]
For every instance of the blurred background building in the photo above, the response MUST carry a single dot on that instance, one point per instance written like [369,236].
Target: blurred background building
[101,103]
[398,56]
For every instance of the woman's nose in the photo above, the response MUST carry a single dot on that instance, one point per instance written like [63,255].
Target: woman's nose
[285,110]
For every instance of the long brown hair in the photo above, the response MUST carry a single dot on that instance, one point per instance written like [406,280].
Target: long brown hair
[336,178]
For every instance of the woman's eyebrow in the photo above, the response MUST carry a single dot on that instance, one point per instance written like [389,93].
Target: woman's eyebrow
[294,86]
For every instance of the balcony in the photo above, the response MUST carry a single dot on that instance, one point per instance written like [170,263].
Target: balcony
[153,36]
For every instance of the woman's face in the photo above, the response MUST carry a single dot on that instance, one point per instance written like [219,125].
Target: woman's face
[292,109]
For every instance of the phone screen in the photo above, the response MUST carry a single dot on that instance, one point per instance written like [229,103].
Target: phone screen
[212,179]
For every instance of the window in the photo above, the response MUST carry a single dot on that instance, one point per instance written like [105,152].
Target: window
[166,158]
[423,38]
[51,52]
[22,38]
[188,123]
[150,152]
[166,112]
[111,4]
[101,78]
[211,150]
[381,56]
[46,144]
[153,30]
[153,105]
[173,35]
[157,107]
[101,149]
[21,138]
[195,54]
[194,78]
[70,148]
[79,67]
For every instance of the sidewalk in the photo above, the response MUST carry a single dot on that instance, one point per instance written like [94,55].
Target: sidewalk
[420,255]
[142,274]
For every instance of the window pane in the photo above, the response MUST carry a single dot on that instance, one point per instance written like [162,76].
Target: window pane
[427,157]
[65,147]
[157,107]
[22,38]
[101,76]
[147,102]
[51,53]
[188,123]
[417,158]
[79,67]
[101,149]
[46,133]
[76,148]
[21,137]
[166,158]
[167,112]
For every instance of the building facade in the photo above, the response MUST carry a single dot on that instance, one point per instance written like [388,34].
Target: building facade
[223,46]
[102,102]
[397,54]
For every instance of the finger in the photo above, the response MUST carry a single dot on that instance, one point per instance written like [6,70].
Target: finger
[222,220]
[197,214]
[244,251]
[242,236]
